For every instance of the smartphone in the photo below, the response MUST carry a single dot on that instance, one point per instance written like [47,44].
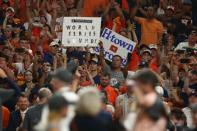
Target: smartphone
[185,61]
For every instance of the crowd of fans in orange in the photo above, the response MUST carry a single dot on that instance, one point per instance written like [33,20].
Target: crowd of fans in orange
[161,73]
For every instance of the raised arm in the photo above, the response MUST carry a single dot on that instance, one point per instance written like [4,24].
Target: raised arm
[105,13]
[131,32]
[144,13]
[5,21]
[10,82]
[119,10]
[80,5]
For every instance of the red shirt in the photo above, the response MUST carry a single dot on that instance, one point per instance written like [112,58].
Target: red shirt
[134,61]
[125,5]
[154,65]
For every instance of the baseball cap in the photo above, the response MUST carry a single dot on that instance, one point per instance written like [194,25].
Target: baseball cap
[193,94]
[9,27]
[95,60]
[143,46]
[54,43]
[11,9]
[62,75]
[146,51]
[193,31]
[152,46]
[170,7]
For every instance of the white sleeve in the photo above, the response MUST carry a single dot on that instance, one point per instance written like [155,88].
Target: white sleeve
[49,18]
[179,47]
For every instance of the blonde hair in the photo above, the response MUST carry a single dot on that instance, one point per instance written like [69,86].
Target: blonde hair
[89,102]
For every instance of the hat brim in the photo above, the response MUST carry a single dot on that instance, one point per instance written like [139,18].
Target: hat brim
[147,52]
[54,45]
[93,61]
[170,9]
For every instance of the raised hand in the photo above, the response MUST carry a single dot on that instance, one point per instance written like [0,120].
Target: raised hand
[2,73]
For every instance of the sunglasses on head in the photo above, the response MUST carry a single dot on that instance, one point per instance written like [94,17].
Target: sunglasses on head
[56,46]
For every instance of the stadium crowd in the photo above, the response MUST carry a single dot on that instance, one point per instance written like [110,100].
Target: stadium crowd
[58,88]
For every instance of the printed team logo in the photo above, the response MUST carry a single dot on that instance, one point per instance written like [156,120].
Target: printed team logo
[113,48]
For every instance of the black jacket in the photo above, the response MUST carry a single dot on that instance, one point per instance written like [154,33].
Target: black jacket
[15,121]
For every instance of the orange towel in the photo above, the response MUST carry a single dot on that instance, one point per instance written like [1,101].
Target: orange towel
[6,116]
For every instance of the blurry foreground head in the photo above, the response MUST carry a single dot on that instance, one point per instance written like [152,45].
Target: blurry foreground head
[178,117]
[194,115]
[44,94]
[57,106]
[89,103]
[61,78]
[146,80]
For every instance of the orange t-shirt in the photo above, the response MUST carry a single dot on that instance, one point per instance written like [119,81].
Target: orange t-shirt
[6,116]
[111,94]
[91,5]
[150,29]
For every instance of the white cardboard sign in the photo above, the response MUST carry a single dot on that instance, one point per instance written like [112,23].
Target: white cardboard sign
[81,31]
[115,44]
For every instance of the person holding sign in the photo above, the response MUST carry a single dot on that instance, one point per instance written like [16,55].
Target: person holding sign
[117,75]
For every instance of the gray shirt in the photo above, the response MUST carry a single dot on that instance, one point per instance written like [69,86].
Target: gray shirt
[119,76]
[32,117]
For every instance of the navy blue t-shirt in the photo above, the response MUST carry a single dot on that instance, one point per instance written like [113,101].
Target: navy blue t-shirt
[96,79]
